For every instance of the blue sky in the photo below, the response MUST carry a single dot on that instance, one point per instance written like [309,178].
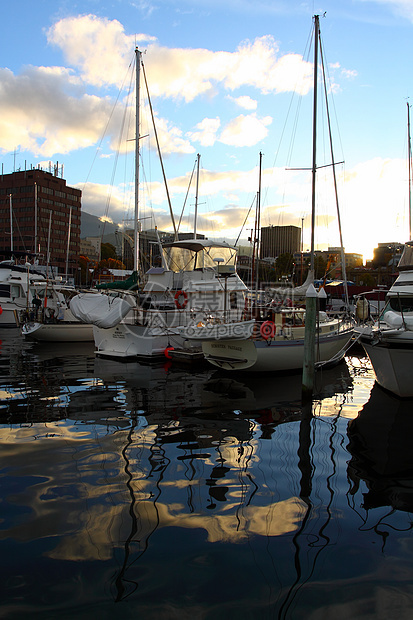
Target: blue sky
[227,80]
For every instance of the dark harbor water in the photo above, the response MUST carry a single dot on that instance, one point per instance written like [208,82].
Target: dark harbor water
[130,491]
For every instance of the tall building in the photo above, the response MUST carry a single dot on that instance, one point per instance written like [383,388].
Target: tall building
[277,240]
[37,213]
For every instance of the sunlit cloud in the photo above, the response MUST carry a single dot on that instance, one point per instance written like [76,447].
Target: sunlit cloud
[101,51]
[98,47]
[245,130]
[206,131]
[45,111]
[245,102]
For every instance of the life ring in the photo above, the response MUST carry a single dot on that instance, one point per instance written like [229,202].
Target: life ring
[178,304]
[167,352]
[267,330]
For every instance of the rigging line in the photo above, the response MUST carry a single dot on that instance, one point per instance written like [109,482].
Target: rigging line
[107,124]
[305,54]
[159,151]
[121,134]
[246,219]
[186,197]
[343,260]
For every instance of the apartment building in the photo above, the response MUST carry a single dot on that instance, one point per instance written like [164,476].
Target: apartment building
[40,214]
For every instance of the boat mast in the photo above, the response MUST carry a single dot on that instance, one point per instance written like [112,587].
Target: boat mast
[409,146]
[11,224]
[138,55]
[68,243]
[311,294]
[314,165]
[196,194]
[35,221]
[257,277]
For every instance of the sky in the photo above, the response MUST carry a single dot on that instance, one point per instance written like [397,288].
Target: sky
[228,81]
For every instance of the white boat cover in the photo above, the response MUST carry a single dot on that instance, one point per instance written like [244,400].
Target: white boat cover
[101,310]
[295,291]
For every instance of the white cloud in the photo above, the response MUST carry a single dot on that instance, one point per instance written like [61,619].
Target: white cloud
[101,50]
[245,130]
[171,139]
[244,102]
[206,133]
[97,199]
[45,111]
[97,47]
[189,73]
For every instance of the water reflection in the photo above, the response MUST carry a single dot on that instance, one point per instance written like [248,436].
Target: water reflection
[382,456]
[183,493]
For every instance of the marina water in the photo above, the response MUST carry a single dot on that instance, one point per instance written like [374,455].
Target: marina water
[168,492]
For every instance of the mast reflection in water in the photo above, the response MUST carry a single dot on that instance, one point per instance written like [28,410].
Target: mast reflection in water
[168,492]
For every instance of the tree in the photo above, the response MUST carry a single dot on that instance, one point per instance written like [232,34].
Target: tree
[284,264]
[107,250]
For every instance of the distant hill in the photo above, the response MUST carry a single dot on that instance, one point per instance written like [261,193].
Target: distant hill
[91,226]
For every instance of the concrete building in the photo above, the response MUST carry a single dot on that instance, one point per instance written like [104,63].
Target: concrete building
[32,203]
[90,247]
[277,240]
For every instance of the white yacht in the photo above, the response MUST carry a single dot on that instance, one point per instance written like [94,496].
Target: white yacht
[197,284]
[19,284]
[389,342]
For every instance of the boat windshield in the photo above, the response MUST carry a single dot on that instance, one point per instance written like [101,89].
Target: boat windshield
[406,261]
[185,258]
[400,304]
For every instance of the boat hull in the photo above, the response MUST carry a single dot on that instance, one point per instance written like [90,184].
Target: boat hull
[65,332]
[136,341]
[392,364]
[8,317]
[274,355]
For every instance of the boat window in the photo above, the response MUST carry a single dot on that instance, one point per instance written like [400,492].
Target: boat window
[16,291]
[5,290]
[401,304]
[185,259]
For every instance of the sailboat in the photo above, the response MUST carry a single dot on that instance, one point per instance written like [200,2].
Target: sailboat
[196,281]
[389,342]
[277,338]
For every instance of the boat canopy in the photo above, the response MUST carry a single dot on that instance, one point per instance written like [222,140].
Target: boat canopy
[130,284]
[193,254]
[406,261]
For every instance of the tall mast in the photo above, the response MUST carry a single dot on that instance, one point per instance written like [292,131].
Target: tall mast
[314,165]
[257,280]
[11,223]
[196,194]
[68,242]
[409,143]
[138,55]
[311,294]
[35,221]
